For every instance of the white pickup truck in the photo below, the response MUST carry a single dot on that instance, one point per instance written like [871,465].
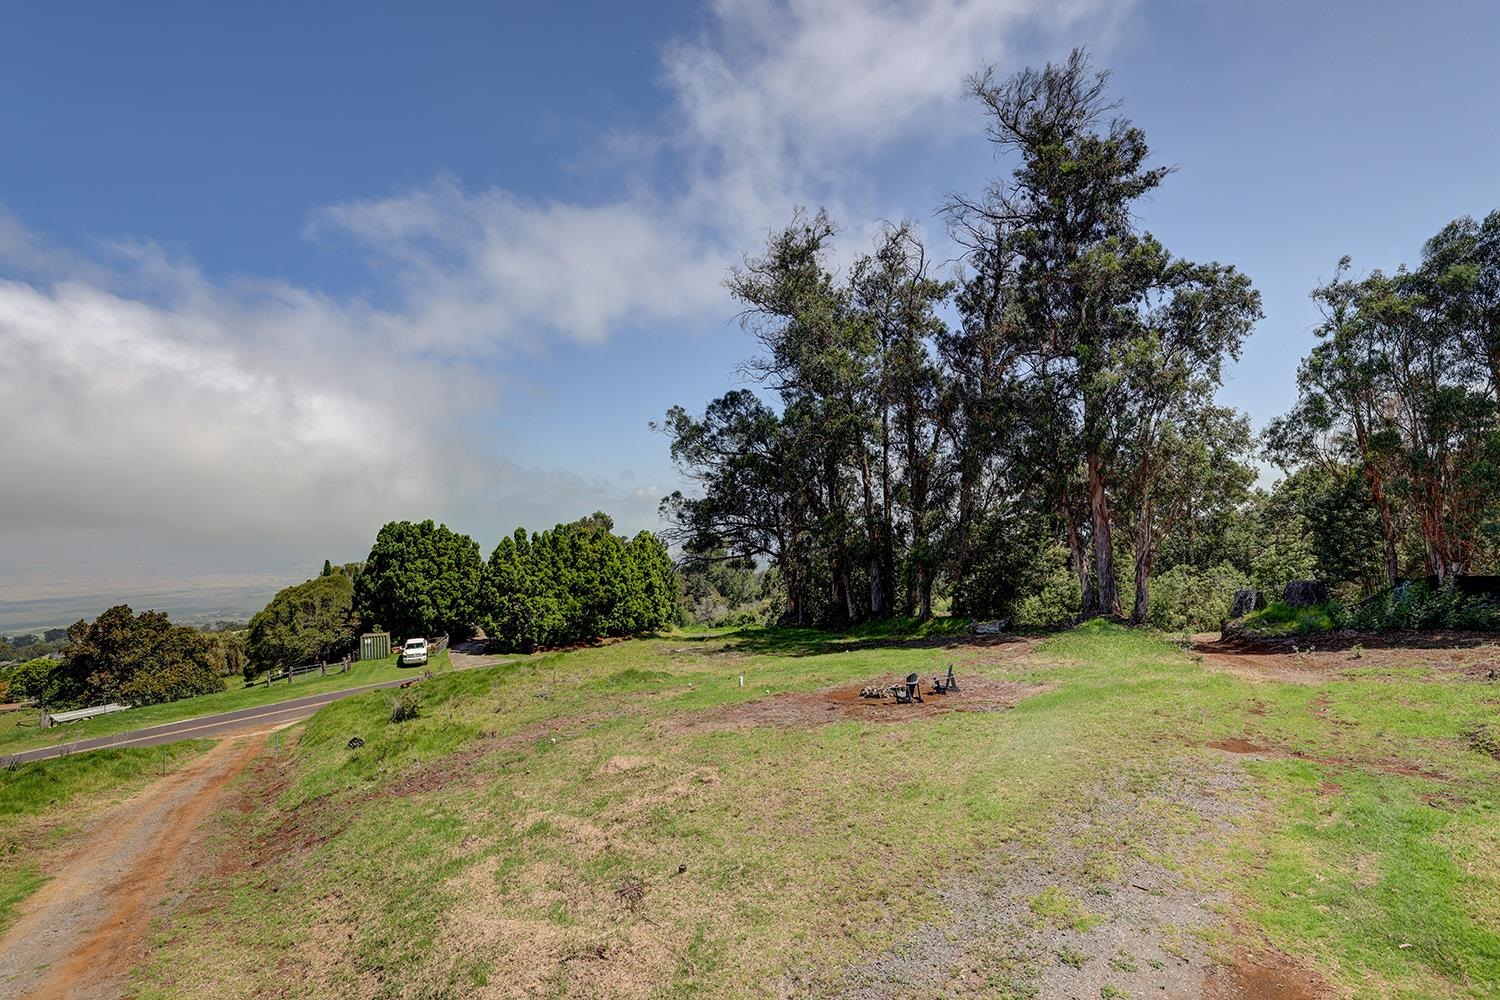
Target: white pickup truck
[414,653]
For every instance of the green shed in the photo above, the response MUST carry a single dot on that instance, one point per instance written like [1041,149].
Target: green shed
[374,645]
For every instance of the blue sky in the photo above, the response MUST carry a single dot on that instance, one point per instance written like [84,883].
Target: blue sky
[272,274]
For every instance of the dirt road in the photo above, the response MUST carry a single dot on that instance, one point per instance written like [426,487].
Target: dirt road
[82,932]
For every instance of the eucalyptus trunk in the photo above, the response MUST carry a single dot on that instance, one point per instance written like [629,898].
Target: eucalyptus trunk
[1107,597]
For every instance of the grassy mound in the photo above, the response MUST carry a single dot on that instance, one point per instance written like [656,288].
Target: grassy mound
[1278,619]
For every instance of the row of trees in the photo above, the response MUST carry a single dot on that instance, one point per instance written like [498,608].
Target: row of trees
[1056,389]
[576,583]
[1400,395]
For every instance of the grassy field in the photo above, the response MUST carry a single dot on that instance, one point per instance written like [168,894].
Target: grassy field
[19,730]
[699,816]
[44,804]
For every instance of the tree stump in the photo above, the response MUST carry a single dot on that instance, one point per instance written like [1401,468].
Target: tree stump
[1246,600]
[1305,593]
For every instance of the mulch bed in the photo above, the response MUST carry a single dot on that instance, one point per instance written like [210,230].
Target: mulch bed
[841,704]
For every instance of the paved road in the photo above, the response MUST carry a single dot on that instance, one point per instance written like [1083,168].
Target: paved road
[211,726]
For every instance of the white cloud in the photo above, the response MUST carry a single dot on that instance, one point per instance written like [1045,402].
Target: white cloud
[774,106]
[200,416]
[149,405]
[483,269]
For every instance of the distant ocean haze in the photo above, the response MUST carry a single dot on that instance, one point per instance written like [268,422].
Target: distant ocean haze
[193,601]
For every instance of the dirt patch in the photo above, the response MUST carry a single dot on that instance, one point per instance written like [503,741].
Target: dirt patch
[82,931]
[839,704]
[1085,912]
[1324,657]
[1009,651]
[1401,768]
[613,946]
[456,768]
[1268,975]
[1236,745]
[624,765]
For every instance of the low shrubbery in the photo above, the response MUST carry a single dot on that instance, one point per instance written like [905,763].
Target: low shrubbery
[1413,606]
[1056,597]
[1417,605]
[404,706]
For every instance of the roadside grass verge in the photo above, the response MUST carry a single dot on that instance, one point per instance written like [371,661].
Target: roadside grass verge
[619,818]
[22,733]
[45,803]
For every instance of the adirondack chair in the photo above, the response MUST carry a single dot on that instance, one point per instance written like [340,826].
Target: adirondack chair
[945,685]
[908,692]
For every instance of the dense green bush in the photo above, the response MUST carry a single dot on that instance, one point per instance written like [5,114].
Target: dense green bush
[1280,618]
[1056,598]
[1416,605]
[1193,600]
[576,583]
[1015,572]
[43,679]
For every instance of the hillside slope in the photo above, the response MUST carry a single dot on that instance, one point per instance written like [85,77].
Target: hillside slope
[1097,814]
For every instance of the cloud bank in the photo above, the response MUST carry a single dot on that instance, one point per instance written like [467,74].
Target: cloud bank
[159,417]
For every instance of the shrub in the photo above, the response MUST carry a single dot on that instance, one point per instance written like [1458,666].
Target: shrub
[1192,600]
[406,705]
[43,680]
[1416,605]
[1058,598]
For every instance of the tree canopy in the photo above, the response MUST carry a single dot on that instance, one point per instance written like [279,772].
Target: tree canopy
[575,583]
[135,659]
[310,621]
[887,447]
[421,578]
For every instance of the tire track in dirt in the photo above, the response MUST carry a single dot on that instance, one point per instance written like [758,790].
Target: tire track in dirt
[82,932]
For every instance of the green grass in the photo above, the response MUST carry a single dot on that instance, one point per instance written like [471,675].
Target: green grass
[16,884]
[46,785]
[488,839]
[19,730]
[1277,619]
[1056,907]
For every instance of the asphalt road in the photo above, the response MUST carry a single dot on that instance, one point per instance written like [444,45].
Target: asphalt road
[225,723]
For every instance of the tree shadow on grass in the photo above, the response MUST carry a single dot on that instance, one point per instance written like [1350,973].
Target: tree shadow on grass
[816,642]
